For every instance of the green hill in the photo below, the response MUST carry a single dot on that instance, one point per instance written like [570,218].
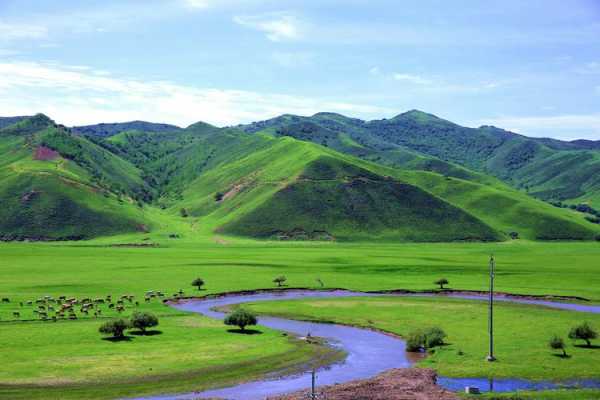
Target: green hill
[57,186]
[549,169]
[326,177]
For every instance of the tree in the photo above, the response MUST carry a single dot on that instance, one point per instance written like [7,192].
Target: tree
[116,327]
[143,320]
[425,339]
[434,337]
[441,282]
[583,332]
[280,280]
[198,282]
[557,343]
[241,318]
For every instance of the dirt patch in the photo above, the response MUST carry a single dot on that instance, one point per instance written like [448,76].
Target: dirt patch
[221,241]
[395,384]
[28,196]
[43,153]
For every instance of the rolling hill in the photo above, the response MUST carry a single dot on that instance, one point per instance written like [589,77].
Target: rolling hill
[56,186]
[326,177]
[548,169]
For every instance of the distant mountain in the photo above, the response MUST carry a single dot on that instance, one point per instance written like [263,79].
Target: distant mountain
[108,130]
[325,177]
[549,169]
[6,121]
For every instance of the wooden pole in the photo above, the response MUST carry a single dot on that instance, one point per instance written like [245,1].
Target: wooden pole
[490,356]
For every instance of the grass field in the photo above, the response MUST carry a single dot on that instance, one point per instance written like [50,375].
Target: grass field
[68,359]
[522,333]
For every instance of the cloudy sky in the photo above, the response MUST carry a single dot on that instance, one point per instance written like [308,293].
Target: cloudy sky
[529,66]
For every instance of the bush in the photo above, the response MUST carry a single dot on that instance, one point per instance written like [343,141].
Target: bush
[241,318]
[280,280]
[143,320]
[198,282]
[426,339]
[583,332]
[557,343]
[183,212]
[513,235]
[434,337]
[116,327]
[442,282]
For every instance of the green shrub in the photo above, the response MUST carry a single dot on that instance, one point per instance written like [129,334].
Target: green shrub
[434,337]
[425,339]
[241,318]
[116,327]
[557,343]
[415,341]
[583,332]
[441,282]
[198,282]
[143,320]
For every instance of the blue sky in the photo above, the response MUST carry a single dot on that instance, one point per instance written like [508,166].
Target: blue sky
[529,66]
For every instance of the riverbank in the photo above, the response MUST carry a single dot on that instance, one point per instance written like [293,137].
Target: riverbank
[395,384]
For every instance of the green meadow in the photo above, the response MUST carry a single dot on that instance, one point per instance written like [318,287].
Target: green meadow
[69,359]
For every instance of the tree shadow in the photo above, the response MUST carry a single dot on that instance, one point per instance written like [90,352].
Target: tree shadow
[153,332]
[245,331]
[564,356]
[585,346]
[118,339]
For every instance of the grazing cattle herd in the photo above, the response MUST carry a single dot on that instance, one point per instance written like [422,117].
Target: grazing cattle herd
[49,308]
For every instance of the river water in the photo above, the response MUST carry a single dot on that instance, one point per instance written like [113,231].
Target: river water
[368,352]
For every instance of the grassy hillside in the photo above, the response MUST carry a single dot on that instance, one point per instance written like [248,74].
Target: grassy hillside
[548,169]
[294,189]
[56,186]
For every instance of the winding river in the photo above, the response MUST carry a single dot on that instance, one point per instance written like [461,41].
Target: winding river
[368,352]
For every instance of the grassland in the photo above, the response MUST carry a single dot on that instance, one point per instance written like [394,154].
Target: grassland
[522,333]
[69,360]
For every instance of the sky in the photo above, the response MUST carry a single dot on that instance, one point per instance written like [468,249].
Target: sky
[532,67]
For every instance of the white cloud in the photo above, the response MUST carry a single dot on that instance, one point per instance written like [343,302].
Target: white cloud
[78,95]
[12,31]
[293,59]
[375,71]
[197,3]
[568,127]
[590,68]
[277,26]
[415,79]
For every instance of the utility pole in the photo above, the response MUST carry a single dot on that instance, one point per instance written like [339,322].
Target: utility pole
[490,356]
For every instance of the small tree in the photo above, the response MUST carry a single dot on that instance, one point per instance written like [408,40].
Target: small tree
[280,280]
[425,339]
[241,318]
[116,327]
[198,282]
[557,343]
[183,212]
[434,337]
[143,321]
[441,282]
[414,341]
[583,332]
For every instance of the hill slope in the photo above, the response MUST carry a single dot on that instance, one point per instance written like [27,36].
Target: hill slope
[56,186]
[549,169]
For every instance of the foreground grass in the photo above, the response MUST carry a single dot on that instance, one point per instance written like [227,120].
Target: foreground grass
[521,339]
[69,360]
[187,352]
